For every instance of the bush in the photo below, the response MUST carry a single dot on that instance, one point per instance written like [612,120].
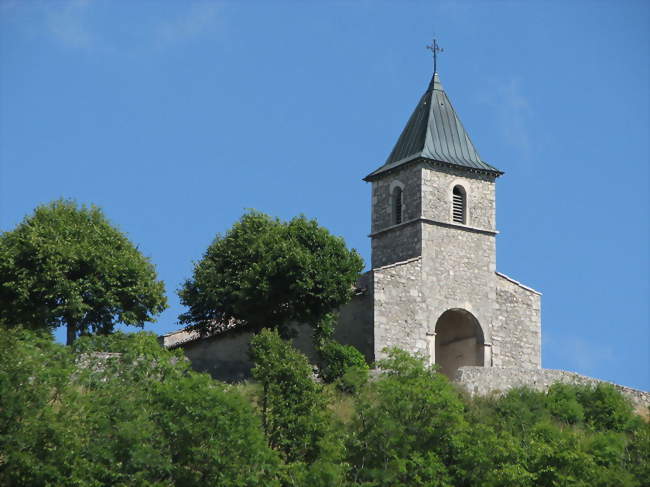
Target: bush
[562,403]
[520,409]
[337,358]
[638,453]
[405,425]
[353,380]
[139,419]
[606,408]
[212,434]
[295,416]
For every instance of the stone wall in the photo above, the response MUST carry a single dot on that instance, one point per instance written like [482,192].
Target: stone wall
[409,179]
[437,186]
[458,273]
[225,356]
[457,270]
[355,323]
[399,310]
[397,244]
[498,380]
[516,328]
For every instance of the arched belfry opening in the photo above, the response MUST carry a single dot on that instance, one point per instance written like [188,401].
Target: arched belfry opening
[459,341]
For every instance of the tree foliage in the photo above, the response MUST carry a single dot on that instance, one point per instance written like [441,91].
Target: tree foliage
[140,417]
[268,273]
[293,405]
[67,265]
[295,415]
[405,425]
[338,358]
[120,410]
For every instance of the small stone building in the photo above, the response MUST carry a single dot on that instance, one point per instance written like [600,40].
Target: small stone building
[433,288]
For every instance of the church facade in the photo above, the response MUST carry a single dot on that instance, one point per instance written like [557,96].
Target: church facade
[434,285]
[433,288]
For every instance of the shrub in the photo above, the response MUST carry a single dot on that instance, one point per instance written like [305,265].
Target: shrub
[212,434]
[405,425]
[337,358]
[138,420]
[606,408]
[520,409]
[353,379]
[638,453]
[295,417]
[562,403]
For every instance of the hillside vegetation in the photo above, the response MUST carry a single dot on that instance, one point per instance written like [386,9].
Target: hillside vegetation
[70,416]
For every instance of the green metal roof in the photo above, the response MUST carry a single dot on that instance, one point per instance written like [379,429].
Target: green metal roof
[434,132]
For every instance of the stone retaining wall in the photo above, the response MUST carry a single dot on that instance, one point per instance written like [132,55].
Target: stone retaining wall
[489,380]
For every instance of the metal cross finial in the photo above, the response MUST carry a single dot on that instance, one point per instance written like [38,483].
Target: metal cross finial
[435,49]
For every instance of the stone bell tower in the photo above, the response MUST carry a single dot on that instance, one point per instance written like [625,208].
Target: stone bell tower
[434,281]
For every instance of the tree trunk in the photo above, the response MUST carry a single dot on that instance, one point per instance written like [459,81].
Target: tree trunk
[71,334]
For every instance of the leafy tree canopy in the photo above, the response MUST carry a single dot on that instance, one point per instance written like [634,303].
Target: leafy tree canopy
[69,417]
[67,265]
[268,273]
[140,416]
[295,415]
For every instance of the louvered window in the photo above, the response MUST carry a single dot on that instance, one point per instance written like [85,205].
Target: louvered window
[397,206]
[459,203]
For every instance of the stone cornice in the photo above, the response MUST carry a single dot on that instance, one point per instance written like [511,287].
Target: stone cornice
[429,221]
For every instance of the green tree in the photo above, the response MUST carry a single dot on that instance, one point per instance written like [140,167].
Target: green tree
[268,273]
[337,359]
[406,424]
[638,453]
[67,265]
[606,408]
[562,402]
[140,417]
[212,434]
[294,407]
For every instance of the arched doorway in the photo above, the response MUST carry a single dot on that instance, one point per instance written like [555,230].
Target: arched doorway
[459,341]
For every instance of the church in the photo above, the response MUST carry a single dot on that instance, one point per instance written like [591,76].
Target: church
[433,288]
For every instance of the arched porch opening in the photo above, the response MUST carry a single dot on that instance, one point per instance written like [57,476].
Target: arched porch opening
[459,341]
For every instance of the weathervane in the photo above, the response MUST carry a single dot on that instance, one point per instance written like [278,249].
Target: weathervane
[435,49]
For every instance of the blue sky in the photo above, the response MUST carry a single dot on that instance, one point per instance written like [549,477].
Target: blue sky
[175,117]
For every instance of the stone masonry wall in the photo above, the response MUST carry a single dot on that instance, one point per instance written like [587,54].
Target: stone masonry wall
[382,211]
[225,356]
[458,273]
[399,311]
[397,244]
[458,261]
[355,323]
[516,328]
[437,187]
[498,380]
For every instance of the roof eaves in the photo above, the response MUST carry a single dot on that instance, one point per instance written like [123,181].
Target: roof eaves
[392,165]
[184,336]
[484,168]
